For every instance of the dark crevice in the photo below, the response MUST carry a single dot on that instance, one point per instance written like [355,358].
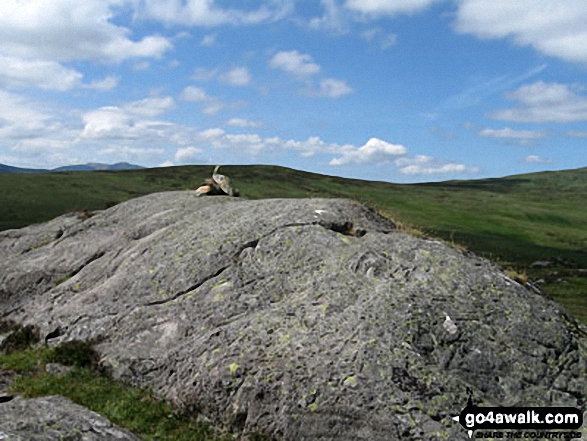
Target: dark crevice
[191,288]
[345,228]
[87,262]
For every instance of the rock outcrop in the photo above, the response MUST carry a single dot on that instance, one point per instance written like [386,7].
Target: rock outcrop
[55,418]
[300,319]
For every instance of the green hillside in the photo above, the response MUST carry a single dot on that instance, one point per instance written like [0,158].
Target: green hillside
[514,221]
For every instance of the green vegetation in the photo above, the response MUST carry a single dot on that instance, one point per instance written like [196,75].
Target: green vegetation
[20,338]
[513,221]
[131,408]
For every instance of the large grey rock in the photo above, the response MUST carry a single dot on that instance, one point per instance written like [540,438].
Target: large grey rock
[272,316]
[55,419]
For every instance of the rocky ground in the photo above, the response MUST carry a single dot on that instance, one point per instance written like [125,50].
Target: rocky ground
[301,319]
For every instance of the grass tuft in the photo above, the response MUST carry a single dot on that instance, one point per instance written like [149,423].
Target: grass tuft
[19,339]
[74,353]
[521,277]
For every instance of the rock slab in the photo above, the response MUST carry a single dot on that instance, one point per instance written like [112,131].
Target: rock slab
[55,419]
[309,319]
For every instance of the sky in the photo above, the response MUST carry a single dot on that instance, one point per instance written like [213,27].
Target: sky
[390,90]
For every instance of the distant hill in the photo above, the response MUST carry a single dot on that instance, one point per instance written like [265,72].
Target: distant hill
[10,169]
[515,220]
[93,166]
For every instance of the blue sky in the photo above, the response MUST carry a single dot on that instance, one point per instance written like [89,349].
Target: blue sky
[392,90]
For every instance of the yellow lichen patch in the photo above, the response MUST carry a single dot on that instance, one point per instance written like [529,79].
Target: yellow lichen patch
[233,368]
[350,381]
[284,338]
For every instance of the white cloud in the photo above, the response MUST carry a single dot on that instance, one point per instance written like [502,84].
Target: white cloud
[141,65]
[576,134]
[203,74]
[40,145]
[132,154]
[107,121]
[47,75]
[380,38]
[427,165]
[243,123]
[253,144]
[214,106]
[187,154]
[126,121]
[205,13]
[300,65]
[374,151]
[21,117]
[508,133]
[238,76]
[544,102]
[554,27]
[479,92]
[63,30]
[332,20]
[388,7]
[150,107]
[209,40]
[533,159]
[194,94]
[108,83]
[333,88]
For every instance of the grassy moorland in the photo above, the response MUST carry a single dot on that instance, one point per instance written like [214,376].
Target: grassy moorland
[514,221]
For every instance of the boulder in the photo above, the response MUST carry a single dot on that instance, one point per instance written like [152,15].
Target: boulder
[300,319]
[55,418]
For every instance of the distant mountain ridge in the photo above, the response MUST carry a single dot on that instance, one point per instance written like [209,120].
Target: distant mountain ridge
[92,166]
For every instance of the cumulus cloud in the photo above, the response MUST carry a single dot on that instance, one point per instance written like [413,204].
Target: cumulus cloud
[374,151]
[303,67]
[300,65]
[20,117]
[508,133]
[533,159]
[253,144]
[387,7]
[544,102]
[108,83]
[332,20]
[209,40]
[427,165]
[554,27]
[206,13]
[203,74]
[150,107]
[243,123]
[40,145]
[128,121]
[194,94]
[238,76]
[209,105]
[333,88]
[64,30]
[379,37]
[187,155]
[48,75]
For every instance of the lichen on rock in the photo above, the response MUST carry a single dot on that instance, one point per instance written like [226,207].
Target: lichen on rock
[275,316]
